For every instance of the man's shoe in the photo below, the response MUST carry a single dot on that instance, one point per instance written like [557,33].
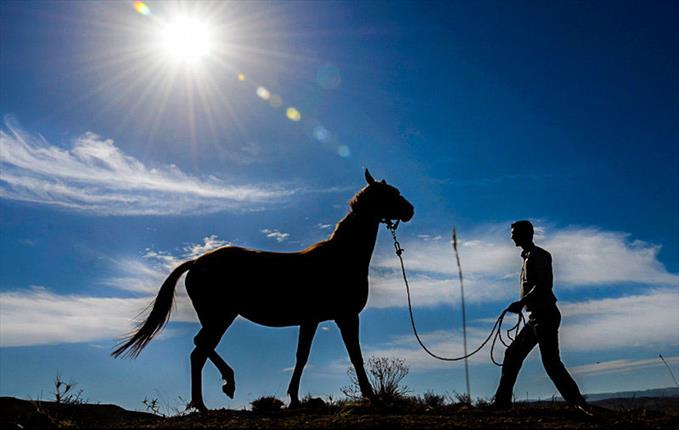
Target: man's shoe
[500,406]
[584,408]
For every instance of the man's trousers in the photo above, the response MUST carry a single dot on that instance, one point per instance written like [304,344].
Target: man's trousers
[542,329]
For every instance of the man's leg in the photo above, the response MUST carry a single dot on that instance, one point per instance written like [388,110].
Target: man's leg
[548,339]
[514,356]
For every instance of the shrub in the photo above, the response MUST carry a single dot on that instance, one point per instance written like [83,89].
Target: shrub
[461,398]
[317,403]
[433,400]
[266,404]
[385,375]
[482,402]
[152,406]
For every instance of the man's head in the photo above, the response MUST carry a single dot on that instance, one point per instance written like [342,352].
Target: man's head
[522,233]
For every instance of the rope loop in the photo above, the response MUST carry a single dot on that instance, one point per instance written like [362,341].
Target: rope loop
[495,332]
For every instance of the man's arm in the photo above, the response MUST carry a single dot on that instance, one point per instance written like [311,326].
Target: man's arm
[538,278]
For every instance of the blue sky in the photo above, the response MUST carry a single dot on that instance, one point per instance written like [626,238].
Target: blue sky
[118,160]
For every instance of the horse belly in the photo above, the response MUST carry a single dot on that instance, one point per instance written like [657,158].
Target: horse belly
[280,303]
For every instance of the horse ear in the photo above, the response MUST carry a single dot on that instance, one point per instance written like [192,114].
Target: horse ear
[368,177]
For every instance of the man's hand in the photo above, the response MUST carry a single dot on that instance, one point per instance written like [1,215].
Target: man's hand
[515,307]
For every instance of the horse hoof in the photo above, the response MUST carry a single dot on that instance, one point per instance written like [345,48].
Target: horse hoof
[229,389]
[199,406]
[294,404]
[315,403]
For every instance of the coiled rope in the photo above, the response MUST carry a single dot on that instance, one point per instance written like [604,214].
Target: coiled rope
[495,332]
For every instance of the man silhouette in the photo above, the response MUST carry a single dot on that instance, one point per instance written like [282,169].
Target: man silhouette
[543,324]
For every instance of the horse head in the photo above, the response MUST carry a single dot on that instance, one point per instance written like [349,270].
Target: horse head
[381,201]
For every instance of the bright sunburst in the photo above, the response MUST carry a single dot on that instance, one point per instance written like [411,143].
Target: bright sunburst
[174,61]
[186,39]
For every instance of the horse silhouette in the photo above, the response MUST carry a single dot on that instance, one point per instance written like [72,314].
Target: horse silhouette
[327,281]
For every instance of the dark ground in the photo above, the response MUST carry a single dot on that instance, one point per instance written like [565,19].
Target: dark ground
[639,413]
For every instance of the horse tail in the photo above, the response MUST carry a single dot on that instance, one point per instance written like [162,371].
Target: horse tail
[158,317]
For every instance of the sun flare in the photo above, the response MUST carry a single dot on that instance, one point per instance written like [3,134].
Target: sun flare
[186,40]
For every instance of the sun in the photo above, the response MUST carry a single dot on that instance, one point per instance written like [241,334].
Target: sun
[186,40]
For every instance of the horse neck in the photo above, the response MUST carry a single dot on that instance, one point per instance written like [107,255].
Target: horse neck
[357,235]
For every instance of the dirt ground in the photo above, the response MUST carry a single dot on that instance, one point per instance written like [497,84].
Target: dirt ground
[642,413]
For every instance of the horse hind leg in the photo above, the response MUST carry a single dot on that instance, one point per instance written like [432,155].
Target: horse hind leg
[206,341]
[306,336]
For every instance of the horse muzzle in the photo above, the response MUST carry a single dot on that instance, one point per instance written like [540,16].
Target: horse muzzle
[407,213]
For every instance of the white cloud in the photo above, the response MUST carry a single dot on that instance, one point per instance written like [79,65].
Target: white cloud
[275,234]
[95,176]
[644,321]
[209,243]
[582,257]
[586,256]
[636,321]
[639,321]
[37,316]
[388,290]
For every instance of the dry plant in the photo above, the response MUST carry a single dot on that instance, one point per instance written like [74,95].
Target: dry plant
[385,374]
[266,404]
[65,393]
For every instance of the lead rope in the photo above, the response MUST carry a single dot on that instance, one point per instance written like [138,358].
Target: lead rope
[495,333]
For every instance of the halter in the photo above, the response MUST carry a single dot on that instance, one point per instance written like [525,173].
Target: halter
[391,226]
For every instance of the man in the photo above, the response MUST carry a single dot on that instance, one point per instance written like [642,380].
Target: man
[542,327]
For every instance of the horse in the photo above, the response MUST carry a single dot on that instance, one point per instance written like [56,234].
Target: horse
[327,281]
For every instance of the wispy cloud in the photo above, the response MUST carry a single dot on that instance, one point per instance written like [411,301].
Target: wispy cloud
[278,236]
[96,176]
[620,366]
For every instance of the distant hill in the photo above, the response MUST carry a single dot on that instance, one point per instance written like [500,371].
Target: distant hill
[656,392]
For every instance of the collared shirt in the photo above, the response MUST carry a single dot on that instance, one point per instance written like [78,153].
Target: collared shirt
[536,274]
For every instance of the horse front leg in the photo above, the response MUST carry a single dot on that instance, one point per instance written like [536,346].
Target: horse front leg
[306,336]
[349,328]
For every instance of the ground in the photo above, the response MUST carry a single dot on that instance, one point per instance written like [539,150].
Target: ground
[640,413]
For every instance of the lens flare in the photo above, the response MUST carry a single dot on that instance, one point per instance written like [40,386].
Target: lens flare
[263,93]
[293,114]
[141,7]
[343,151]
[241,77]
[321,133]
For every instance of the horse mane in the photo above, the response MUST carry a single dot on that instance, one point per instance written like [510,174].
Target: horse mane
[344,226]
[358,201]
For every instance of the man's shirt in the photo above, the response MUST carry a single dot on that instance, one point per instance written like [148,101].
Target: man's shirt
[536,273]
